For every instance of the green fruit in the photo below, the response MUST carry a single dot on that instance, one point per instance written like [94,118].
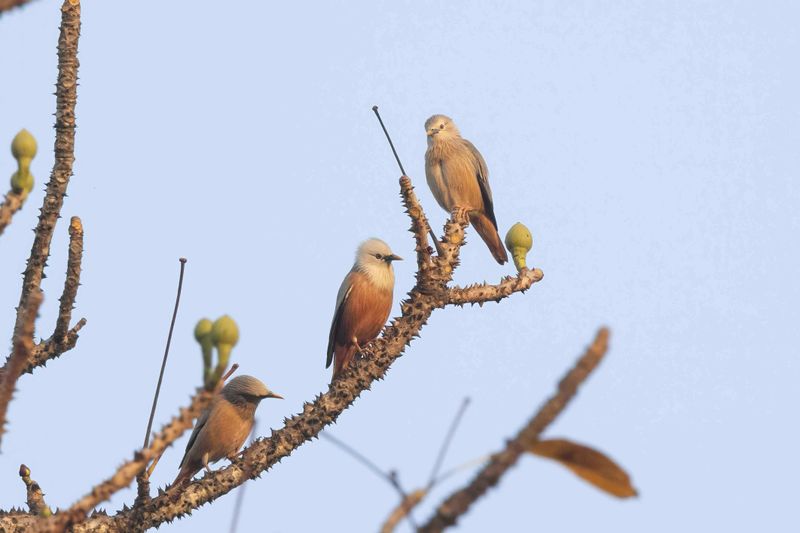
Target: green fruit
[23,145]
[519,242]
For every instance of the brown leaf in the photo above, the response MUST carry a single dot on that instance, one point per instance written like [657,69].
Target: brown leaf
[588,464]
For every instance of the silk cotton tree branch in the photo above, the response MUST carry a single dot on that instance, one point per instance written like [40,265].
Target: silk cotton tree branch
[428,294]
[460,501]
[63,339]
[12,203]
[64,151]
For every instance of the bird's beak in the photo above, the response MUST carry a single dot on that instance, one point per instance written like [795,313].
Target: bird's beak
[274,395]
[433,131]
[392,257]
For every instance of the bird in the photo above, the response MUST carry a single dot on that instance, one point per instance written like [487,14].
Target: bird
[458,177]
[362,304]
[223,427]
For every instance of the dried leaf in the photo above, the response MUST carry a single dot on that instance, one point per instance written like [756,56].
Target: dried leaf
[588,464]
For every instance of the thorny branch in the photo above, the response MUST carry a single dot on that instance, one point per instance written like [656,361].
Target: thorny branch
[23,344]
[128,471]
[64,150]
[73,279]
[11,204]
[429,293]
[482,293]
[66,96]
[459,502]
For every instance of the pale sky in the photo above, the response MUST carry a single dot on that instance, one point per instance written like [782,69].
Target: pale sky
[650,146]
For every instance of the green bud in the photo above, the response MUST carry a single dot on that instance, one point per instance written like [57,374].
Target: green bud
[202,334]
[225,334]
[519,242]
[22,182]
[225,331]
[23,145]
[202,331]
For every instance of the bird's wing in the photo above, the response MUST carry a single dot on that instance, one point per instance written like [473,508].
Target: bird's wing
[200,423]
[482,174]
[344,292]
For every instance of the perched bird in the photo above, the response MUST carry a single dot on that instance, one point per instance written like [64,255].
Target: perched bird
[458,178]
[363,303]
[223,427]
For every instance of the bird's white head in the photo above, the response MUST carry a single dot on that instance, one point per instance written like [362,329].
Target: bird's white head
[441,128]
[246,389]
[374,258]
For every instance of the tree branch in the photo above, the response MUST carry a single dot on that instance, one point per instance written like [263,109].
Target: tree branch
[428,294]
[419,224]
[66,96]
[484,292]
[126,473]
[459,502]
[23,345]
[72,280]
[53,348]
[11,204]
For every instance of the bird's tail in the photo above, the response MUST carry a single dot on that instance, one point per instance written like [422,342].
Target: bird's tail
[488,232]
[342,356]
[183,477]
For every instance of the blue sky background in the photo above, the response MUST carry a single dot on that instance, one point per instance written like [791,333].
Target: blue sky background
[650,146]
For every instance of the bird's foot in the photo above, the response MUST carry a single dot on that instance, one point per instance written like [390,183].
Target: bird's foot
[460,215]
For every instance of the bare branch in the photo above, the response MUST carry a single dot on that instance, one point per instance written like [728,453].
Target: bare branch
[64,151]
[23,345]
[459,502]
[34,495]
[11,204]
[483,292]
[73,279]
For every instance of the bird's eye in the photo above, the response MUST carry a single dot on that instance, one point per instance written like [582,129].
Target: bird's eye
[441,125]
[378,256]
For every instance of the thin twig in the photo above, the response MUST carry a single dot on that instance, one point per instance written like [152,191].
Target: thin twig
[391,144]
[446,443]
[23,345]
[355,454]
[403,172]
[460,502]
[166,353]
[143,480]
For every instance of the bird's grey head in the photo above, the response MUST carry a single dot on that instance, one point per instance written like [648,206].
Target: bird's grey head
[374,253]
[441,128]
[246,389]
